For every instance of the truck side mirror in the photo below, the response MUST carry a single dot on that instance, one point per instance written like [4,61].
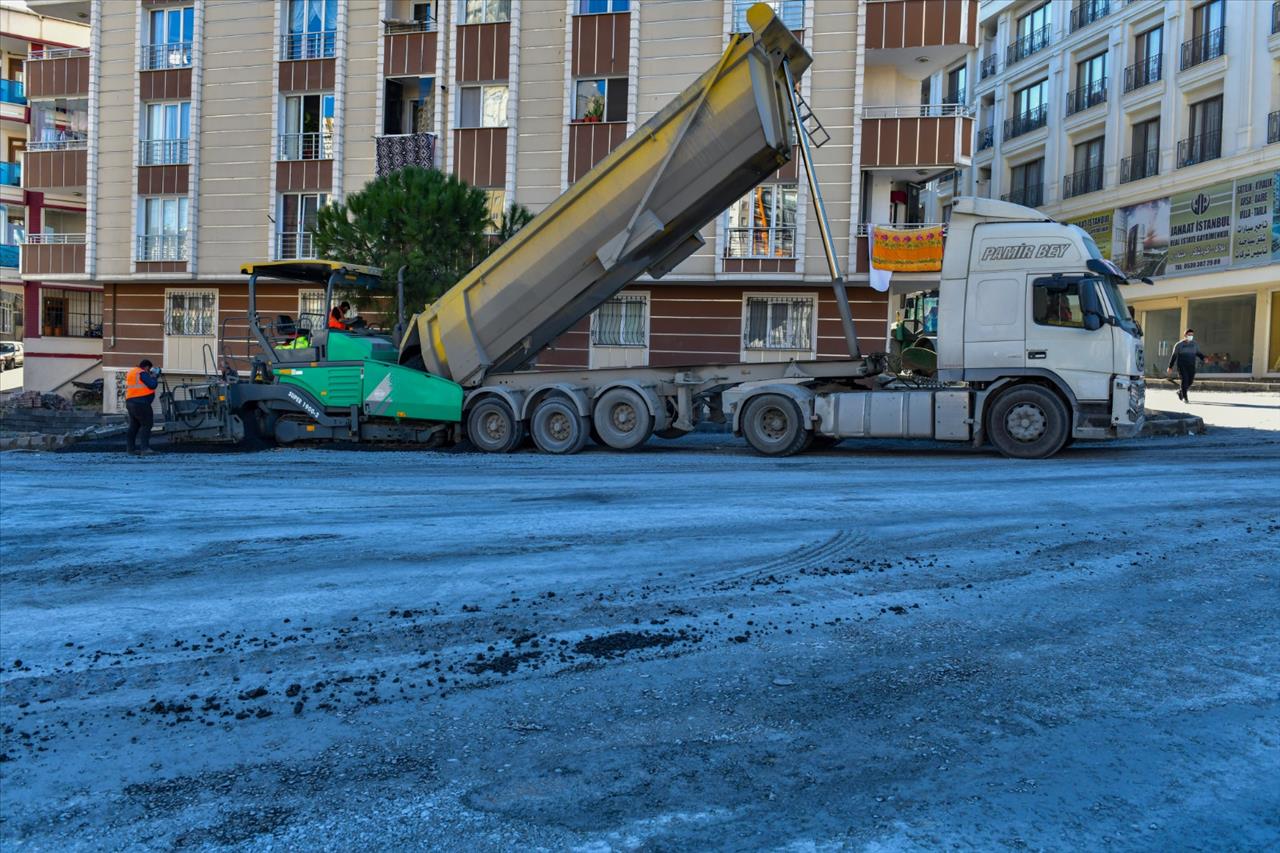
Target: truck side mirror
[1090,306]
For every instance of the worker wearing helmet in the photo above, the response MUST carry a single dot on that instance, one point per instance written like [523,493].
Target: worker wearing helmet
[139,393]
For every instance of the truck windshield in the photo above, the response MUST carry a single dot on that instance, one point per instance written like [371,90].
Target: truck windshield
[1119,310]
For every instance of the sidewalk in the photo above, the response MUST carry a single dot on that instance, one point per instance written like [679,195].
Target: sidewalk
[1251,410]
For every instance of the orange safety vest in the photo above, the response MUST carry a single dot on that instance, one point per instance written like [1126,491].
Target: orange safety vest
[133,385]
[335,323]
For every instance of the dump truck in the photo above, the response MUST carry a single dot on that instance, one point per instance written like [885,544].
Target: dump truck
[1035,346]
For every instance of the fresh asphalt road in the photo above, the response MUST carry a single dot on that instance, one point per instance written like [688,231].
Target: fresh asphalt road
[879,647]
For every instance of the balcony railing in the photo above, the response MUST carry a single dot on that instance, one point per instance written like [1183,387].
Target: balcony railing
[988,67]
[56,53]
[46,238]
[1028,196]
[1198,149]
[777,242]
[1026,122]
[309,45]
[1087,96]
[162,247]
[64,140]
[11,92]
[1203,47]
[1088,12]
[162,152]
[1139,166]
[1142,72]
[1084,181]
[291,245]
[1275,18]
[11,174]
[1030,43]
[158,57]
[395,28]
[1273,127]
[986,137]
[306,146]
[916,111]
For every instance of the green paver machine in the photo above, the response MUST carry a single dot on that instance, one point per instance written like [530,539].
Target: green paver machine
[314,383]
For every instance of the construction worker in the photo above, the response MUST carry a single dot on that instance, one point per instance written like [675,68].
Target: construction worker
[301,340]
[338,317]
[139,394]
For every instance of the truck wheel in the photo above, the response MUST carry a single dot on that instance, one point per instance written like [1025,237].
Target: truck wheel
[493,427]
[557,427]
[259,428]
[774,425]
[622,420]
[1028,422]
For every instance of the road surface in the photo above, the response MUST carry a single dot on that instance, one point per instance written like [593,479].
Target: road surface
[690,647]
[1251,409]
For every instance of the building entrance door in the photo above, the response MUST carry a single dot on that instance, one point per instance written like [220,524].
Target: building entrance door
[1160,331]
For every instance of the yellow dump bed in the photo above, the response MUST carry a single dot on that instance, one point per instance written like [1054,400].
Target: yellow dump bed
[639,210]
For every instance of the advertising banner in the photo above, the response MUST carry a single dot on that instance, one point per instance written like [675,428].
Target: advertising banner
[1200,229]
[907,249]
[1098,226]
[1251,237]
[1140,245]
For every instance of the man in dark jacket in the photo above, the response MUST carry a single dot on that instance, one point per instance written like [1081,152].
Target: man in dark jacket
[139,394]
[1184,358]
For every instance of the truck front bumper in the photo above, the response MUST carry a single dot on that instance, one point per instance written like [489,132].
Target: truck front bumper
[1128,405]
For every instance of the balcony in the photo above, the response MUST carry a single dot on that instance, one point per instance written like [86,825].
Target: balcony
[1027,196]
[12,92]
[1273,127]
[53,254]
[162,247]
[409,48]
[989,66]
[986,138]
[306,146]
[1032,42]
[397,28]
[1204,47]
[162,152]
[61,72]
[1199,149]
[11,174]
[590,142]
[1087,96]
[1081,182]
[1143,72]
[293,245]
[917,135]
[395,151]
[56,164]
[317,45]
[914,24]
[1088,12]
[162,57]
[1139,166]
[1026,122]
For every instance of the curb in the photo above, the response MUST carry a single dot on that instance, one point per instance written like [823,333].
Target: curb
[1172,423]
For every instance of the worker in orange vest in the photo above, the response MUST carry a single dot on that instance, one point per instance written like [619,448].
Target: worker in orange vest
[139,393]
[338,317]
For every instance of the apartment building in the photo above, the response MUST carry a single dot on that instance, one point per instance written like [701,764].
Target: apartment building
[218,129]
[43,137]
[1154,126]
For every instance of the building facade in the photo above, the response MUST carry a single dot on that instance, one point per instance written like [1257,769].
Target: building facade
[45,299]
[219,128]
[1153,125]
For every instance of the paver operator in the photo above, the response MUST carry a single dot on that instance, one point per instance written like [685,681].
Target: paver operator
[139,394]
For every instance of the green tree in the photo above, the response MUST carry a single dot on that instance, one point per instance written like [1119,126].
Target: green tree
[431,223]
[515,217]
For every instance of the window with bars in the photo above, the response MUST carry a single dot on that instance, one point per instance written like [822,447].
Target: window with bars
[190,312]
[621,322]
[162,228]
[778,323]
[298,213]
[71,313]
[600,100]
[790,12]
[313,313]
[763,223]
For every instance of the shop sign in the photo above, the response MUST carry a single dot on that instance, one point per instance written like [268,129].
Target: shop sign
[1098,226]
[1251,237]
[1140,241]
[1200,229]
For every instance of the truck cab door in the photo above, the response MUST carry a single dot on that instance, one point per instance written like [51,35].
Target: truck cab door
[994,322]
[1068,336]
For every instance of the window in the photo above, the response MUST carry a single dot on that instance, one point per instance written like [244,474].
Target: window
[190,312]
[1224,329]
[166,130]
[311,29]
[71,313]
[10,313]
[1148,47]
[1091,84]
[763,223]
[1056,302]
[1145,159]
[790,12]
[483,106]
[1087,174]
[1030,110]
[600,100]
[59,124]
[162,235]
[1206,18]
[1207,34]
[621,322]
[411,106]
[169,35]
[957,86]
[1204,139]
[496,202]
[297,222]
[600,7]
[779,322]
[485,11]
[308,128]
[1026,184]
[1030,35]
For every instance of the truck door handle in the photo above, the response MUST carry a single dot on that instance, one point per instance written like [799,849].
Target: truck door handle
[1037,353]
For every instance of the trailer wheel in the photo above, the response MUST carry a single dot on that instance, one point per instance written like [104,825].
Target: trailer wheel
[557,427]
[493,427]
[1028,422]
[774,425]
[622,420]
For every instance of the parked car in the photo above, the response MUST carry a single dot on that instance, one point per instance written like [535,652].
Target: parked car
[11,354]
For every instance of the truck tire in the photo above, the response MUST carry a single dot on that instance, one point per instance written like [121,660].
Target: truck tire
[557,427]
[774,425]
[1028,422]
[493,427]
[621,419]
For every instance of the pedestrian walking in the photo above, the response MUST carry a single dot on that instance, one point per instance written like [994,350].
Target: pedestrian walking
[140,393]
[1184,358]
